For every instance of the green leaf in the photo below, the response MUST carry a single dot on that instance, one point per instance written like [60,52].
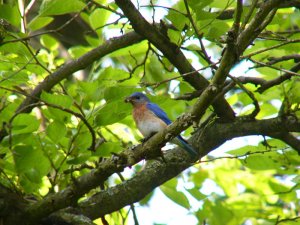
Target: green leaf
[137,49]
[112,75]
[39,22]
[33,175]
[296,179]
[91,91]
[10,13]
[174,36]
[224,215]
[25,123]
[217,29]
[118,93]
[196,194]
[112,112]
[83,140]
[31,162]
[294,94]
[60,100]
[196,4]
[259,162]
[17,52]
[57,114]
[49,42]
[56,131]
[59,7]
[177,19]
[78,51]
[197,7]
[267,110]
[278,187]
[8,111]
[169,189]
[243,150]
[98,18]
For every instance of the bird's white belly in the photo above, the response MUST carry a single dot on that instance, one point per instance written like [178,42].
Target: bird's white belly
[149,127]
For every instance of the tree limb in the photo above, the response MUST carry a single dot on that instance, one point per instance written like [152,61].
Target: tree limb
[156,172]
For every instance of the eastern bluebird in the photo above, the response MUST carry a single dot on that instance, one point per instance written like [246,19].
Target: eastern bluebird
[150,119]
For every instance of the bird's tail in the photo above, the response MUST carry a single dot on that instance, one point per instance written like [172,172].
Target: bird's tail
[183,144]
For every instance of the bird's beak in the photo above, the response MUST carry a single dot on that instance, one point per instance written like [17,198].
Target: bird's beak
[128,99]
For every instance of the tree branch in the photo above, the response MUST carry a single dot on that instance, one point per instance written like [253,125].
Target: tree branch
[172,52]
[204,141]
[273,60]
[156,172]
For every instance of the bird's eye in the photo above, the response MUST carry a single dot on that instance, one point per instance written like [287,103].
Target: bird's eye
[137,97]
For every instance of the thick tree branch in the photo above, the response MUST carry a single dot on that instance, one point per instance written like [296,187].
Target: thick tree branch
[257,24]
[204,142]
[129,157]
[156,172]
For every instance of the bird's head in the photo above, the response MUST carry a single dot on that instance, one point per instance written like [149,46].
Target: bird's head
[137,98]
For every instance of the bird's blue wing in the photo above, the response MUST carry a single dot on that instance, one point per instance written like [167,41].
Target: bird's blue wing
[163,116]
[158,112]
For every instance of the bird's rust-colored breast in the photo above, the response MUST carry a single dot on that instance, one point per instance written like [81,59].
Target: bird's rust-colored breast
[139,112]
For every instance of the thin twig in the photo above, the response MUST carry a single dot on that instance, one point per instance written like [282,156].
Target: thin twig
[294,219]
[237,156]
[275,67]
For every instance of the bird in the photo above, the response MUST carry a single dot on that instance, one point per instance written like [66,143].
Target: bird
[150,119]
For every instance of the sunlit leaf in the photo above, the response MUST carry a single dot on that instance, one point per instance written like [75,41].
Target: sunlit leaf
[25,123]
[260,162]
[54,7]
[39,22]
[169,189]
[112,112]
[60,100]
[56,131]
